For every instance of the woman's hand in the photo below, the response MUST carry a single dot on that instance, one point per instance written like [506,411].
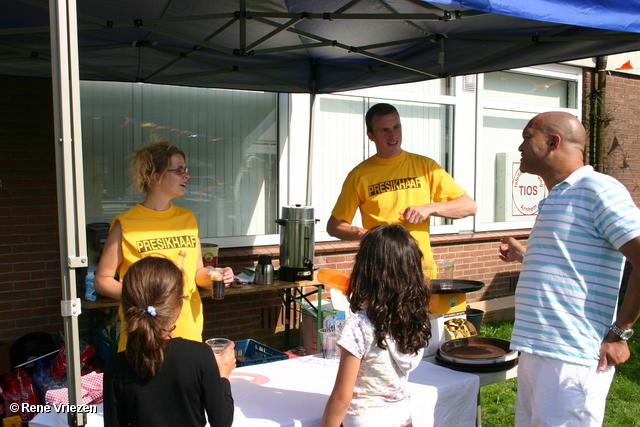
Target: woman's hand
[227,277]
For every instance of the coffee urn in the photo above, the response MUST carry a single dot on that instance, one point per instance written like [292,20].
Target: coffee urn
[297,243]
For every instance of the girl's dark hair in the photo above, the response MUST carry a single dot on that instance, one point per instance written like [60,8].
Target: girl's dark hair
[388,281]
[152,158]
[155,282]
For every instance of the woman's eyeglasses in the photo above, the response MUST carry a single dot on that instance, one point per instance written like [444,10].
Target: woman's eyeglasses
[179,171]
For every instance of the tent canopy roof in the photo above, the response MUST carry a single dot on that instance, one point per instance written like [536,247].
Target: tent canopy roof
[314,46]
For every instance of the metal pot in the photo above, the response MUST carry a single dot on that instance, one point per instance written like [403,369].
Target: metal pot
[264,270]
[297,243]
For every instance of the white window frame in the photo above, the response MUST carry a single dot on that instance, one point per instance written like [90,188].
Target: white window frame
[551,71]
[294,126]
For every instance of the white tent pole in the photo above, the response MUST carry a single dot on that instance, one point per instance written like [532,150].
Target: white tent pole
[312,119]
[65,83]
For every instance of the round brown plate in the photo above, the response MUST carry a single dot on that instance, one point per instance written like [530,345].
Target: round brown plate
[477,351]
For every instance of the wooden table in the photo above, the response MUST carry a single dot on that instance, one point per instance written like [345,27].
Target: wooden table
[290,293]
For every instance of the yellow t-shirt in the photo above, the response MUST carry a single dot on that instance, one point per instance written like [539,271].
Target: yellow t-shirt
[146,232]
[382,187]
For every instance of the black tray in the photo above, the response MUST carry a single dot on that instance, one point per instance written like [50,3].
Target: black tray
[459,286]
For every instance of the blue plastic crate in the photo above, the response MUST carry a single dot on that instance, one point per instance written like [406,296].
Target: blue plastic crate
[251,352]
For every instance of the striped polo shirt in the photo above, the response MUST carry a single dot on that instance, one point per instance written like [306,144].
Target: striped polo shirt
[568,289]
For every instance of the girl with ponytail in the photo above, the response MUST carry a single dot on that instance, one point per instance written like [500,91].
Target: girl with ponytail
[160,379]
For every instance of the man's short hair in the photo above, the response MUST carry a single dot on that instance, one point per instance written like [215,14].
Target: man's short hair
[381,109]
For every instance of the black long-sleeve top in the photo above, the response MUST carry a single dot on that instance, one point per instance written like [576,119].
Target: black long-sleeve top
[187,386]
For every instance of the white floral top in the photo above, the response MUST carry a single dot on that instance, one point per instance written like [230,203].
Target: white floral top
[380,382]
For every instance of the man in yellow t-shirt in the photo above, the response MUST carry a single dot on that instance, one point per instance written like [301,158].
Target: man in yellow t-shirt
[396,187]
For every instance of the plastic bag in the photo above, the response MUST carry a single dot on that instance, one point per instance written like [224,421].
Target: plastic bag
[18,388]
[86,353]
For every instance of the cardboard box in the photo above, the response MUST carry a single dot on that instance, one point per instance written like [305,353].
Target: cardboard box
[437,334]
[14,421]
[497,309]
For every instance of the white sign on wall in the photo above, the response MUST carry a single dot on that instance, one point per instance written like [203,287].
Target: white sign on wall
[518,194]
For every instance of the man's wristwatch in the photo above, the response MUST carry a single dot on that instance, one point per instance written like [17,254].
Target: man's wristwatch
[623,334]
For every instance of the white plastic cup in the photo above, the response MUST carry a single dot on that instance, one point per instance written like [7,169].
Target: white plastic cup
[330,349]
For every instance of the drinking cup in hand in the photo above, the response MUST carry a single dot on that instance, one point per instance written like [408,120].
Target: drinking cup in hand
[217,288]
[218,344]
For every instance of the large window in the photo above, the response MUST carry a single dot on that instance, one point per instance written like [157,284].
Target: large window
[248,152]
[230,138]
[507,101]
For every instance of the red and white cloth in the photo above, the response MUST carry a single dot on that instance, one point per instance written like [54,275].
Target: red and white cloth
[91,391]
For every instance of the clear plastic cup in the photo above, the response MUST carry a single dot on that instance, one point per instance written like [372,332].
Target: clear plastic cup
[218,344]
[441,270]
[330,349]
[446,267]
[217,284]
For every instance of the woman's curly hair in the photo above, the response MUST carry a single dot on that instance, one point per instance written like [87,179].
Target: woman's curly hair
[388,281]
[149,159]
[151,284]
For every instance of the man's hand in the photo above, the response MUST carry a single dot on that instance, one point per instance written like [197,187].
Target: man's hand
[613,351]
[458,208]
[511,250]
[415,214]
[343,230]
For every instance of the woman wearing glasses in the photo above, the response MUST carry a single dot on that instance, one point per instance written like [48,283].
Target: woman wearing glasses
[156,227]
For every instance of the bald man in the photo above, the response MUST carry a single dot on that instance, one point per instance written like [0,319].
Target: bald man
[567,328]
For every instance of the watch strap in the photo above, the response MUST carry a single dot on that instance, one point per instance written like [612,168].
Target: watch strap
[623,334]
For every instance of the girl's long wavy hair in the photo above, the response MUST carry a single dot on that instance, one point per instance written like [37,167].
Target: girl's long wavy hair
[157,282]
[388,281]
[149,159]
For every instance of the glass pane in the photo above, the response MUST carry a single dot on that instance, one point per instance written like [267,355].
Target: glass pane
[529,89]
[340,131]
[229,137]
[507,195]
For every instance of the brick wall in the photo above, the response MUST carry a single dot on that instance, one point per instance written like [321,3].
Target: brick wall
[30,289]
[622,127]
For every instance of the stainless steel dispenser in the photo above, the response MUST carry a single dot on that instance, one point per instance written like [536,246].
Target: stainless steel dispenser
[297,243]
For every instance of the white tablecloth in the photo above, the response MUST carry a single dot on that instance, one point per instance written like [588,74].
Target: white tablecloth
[294,392]
[53,419]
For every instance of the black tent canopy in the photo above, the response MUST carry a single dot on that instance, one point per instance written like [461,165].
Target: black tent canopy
[312,46]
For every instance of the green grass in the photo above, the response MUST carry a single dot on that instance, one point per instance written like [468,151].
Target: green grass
[623,403]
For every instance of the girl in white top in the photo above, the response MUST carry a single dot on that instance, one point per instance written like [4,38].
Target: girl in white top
[385,338]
